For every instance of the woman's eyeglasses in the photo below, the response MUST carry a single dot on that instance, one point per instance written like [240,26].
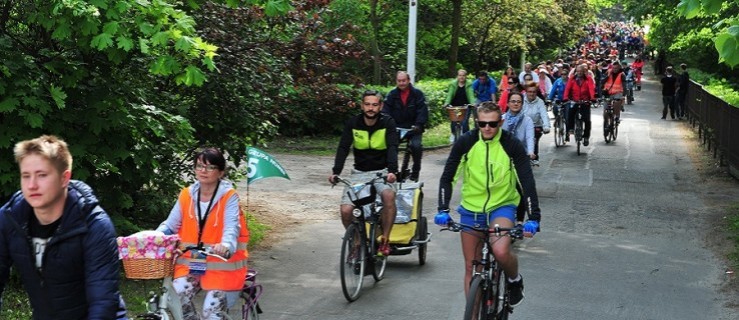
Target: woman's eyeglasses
[207,168]
[483,124]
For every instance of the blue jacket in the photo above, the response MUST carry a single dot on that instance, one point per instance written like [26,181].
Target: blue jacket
[79,277]
[415,113]
[558,90]
[484,92]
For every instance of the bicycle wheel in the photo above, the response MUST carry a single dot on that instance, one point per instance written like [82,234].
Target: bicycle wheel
[607,128]
[559,139]
[500,305]
[578,134]
[614,133]
[476,306]
[352,262]
[422,235]
[379,262]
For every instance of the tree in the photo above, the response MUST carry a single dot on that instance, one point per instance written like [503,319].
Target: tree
[100,75]
[727,37]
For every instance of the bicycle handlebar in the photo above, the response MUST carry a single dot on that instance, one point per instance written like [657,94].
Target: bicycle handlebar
[205,251]
[515,232]
[349,183]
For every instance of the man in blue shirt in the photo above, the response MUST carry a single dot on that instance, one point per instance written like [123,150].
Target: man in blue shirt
[484,88]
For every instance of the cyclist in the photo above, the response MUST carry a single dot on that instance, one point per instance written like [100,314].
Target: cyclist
[407,106]
[375,148]
[637,65]
[558,90]
[485,153]
[614,87]
[518,124]
[460,93]
[535,109]
[207,213]
[580,88]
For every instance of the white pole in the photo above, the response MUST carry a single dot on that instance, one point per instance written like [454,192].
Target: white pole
[412,13]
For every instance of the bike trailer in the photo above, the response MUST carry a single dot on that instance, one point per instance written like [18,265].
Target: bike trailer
[408,202]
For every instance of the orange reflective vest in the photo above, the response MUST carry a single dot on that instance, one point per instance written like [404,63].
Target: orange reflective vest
[219,275]
[614,87]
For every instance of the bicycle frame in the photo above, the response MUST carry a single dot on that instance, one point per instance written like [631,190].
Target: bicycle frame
[161,305]
[367,217]
[489,271]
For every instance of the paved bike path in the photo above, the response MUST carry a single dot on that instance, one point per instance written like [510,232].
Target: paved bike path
[623,229]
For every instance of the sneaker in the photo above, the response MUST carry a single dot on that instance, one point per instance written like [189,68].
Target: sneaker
[586,142]
[618,120]
[515,292]
[383,250]
[535,163]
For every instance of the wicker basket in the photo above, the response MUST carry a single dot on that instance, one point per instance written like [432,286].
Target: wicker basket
[456,114]
[148,268]
[148,254]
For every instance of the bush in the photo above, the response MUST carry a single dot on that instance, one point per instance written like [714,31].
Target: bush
[717,86]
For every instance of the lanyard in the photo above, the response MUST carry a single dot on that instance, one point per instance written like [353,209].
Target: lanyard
[201,218]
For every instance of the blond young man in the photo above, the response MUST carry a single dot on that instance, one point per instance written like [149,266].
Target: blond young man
[58,238]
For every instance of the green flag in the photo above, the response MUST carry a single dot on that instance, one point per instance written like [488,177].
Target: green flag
[261,165]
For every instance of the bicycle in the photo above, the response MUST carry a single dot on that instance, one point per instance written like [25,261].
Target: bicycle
[629,91]
[360,240]
[560,127]
[610,126]
[456,116]
[166,305]
[579,122]
[488,297]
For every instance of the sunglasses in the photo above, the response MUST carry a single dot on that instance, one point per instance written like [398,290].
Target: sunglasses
[483,124]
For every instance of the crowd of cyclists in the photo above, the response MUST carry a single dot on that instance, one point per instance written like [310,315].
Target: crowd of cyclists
[510,117]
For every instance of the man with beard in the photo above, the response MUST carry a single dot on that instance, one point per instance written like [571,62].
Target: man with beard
[375,147]
[407,106]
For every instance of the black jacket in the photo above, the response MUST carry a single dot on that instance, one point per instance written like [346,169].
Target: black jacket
[515,150]
[80,264]
[414,113]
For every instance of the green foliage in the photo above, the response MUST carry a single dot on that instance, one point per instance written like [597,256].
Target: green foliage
[727,29]
[717,86]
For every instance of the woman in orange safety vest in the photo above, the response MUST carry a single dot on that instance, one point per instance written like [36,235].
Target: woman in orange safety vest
[207,214]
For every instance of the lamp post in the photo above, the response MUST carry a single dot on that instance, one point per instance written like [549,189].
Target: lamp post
[411,61]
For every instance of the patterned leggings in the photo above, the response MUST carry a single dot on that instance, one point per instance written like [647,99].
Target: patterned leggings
[216,301]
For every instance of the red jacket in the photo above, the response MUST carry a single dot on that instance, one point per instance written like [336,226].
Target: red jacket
[579,92]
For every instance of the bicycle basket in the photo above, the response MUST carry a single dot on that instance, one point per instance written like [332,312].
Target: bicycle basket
[362,194]
[456,114]
[148,254]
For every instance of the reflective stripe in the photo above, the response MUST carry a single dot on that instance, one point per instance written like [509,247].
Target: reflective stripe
[218,265]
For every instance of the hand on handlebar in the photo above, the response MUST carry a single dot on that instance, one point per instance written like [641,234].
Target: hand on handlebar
[221,250]
[391,178]
[442,218]
[332,179]
[530,228]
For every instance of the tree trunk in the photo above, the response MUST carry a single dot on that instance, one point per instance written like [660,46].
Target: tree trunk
[374,44]
[456,28]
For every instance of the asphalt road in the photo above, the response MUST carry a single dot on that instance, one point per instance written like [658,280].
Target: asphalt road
[623,233]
